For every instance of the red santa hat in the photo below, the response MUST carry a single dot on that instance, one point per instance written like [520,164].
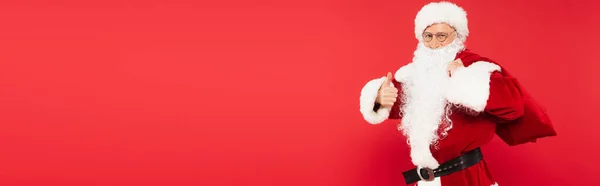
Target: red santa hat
[442,12]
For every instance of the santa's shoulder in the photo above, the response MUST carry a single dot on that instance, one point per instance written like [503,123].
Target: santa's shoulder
[404,72]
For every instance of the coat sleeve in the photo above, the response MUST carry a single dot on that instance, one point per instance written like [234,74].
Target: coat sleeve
[371,111]
[481,87]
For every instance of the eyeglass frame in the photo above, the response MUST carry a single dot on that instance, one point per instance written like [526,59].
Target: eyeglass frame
[437,36]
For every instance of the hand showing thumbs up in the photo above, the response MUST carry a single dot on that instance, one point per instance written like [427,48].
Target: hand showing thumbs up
[387,92]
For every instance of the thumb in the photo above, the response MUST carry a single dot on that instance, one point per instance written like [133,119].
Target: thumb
[388,79]
[458,61]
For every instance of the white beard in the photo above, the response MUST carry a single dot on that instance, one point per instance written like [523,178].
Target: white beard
[425,106]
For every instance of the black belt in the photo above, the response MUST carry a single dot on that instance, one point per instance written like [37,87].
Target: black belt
[457,164]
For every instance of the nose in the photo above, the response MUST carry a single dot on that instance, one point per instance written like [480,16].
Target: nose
[435,45]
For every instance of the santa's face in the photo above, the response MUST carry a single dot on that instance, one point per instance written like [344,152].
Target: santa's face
[438,35]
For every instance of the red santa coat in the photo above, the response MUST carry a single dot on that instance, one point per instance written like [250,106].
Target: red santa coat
[480,87]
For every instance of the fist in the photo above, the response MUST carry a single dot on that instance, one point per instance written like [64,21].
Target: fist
[387,94]
[454,65]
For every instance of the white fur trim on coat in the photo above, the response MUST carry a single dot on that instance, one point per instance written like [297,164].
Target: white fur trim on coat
[470,86]
[442,12]
[368,95]
[438,182]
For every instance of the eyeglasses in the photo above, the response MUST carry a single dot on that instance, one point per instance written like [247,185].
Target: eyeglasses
[440,36]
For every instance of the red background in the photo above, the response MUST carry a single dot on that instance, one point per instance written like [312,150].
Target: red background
[222,93]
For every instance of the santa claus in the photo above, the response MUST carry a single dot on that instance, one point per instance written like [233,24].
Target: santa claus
[450,102]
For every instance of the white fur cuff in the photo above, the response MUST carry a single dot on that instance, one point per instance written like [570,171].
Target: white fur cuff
[470,86]
[368,95]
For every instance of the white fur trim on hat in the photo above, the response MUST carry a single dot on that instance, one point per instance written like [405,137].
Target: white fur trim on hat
[442,12]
